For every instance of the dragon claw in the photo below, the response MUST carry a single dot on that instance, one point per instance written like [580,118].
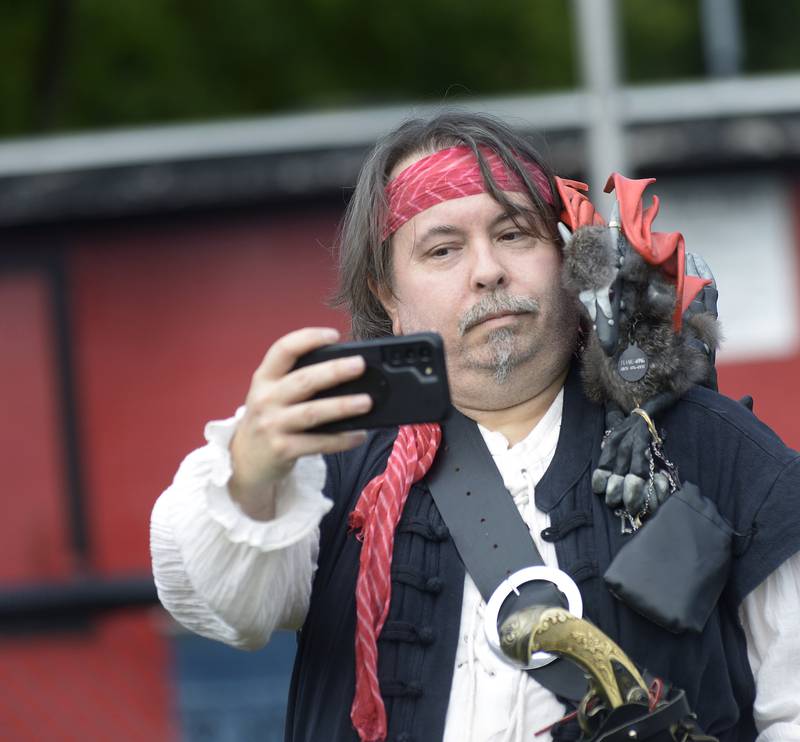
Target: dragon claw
[603,298]
[566,235]
[599,298]
[588,300]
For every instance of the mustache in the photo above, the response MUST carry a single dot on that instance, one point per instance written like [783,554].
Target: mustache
[493,304]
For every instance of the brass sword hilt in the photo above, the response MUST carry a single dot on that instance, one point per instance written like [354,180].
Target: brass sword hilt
[613,677]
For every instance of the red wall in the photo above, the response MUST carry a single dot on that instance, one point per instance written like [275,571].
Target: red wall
[33,543]
[169,323]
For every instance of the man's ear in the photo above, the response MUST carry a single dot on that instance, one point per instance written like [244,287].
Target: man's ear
[389,303]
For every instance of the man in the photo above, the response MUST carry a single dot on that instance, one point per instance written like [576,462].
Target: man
[244,542]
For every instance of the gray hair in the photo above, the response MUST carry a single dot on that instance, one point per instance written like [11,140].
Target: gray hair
[364,259]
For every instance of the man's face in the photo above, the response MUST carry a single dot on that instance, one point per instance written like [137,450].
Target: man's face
[462,268]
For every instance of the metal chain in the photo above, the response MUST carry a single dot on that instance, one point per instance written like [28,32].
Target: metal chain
[670,470]
[629,522]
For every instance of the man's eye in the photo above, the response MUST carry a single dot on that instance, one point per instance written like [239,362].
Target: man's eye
[512,235]
[440,252]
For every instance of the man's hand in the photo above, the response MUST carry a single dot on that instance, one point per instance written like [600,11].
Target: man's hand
[278,411]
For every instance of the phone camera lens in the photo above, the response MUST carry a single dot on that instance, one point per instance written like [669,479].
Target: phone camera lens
[424,354]
[395,358]
[411,356]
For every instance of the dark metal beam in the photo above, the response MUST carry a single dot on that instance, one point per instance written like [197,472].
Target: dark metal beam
[69,431]
[69,605]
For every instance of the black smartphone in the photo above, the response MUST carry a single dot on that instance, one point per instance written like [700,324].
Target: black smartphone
[404,375]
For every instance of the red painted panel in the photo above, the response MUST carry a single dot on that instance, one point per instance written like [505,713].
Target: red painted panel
[170,324]
[33,527]
[775,388]
[107,684]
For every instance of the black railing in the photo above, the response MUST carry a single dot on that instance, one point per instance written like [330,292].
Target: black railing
[45,607]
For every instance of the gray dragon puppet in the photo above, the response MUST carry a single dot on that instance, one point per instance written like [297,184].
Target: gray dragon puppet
[650,333]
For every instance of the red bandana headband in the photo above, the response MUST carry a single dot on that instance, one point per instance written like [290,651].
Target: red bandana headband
[452,173]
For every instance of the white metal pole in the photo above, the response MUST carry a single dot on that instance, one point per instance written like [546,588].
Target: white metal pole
[598,51]
[722,37]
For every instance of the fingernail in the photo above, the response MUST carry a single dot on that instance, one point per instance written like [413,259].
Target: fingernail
[330,335]
[354,363]
[361,402]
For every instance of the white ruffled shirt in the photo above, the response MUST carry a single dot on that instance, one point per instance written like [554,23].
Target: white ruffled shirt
[234,579]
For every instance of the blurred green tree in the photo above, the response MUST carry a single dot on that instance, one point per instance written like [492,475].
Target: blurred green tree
[771,31]
[661,41]
[78,64]
[131,62]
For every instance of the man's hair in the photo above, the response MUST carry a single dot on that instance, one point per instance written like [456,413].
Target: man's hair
[364,259]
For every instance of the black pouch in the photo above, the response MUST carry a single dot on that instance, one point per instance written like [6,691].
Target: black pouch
[674,568]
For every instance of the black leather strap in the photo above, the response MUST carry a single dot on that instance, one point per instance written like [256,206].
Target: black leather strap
[635,722]
[490,535]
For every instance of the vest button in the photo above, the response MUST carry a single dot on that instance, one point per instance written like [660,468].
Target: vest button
[434,584]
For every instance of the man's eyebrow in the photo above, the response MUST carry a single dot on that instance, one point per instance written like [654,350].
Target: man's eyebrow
[436,231]
[508,216]
[447,230]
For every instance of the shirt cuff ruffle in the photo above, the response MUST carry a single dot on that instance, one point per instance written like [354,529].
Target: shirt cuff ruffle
[300,506]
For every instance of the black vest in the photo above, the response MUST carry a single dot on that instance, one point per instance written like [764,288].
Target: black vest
[716,443]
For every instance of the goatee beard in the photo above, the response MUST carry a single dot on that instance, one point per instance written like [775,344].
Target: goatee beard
[504,359]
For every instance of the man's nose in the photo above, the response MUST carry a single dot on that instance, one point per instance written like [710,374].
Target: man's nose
[487,271]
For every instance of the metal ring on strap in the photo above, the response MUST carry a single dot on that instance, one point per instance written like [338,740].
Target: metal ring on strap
[529,574]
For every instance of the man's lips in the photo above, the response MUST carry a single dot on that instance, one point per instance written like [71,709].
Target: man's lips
[498,316]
